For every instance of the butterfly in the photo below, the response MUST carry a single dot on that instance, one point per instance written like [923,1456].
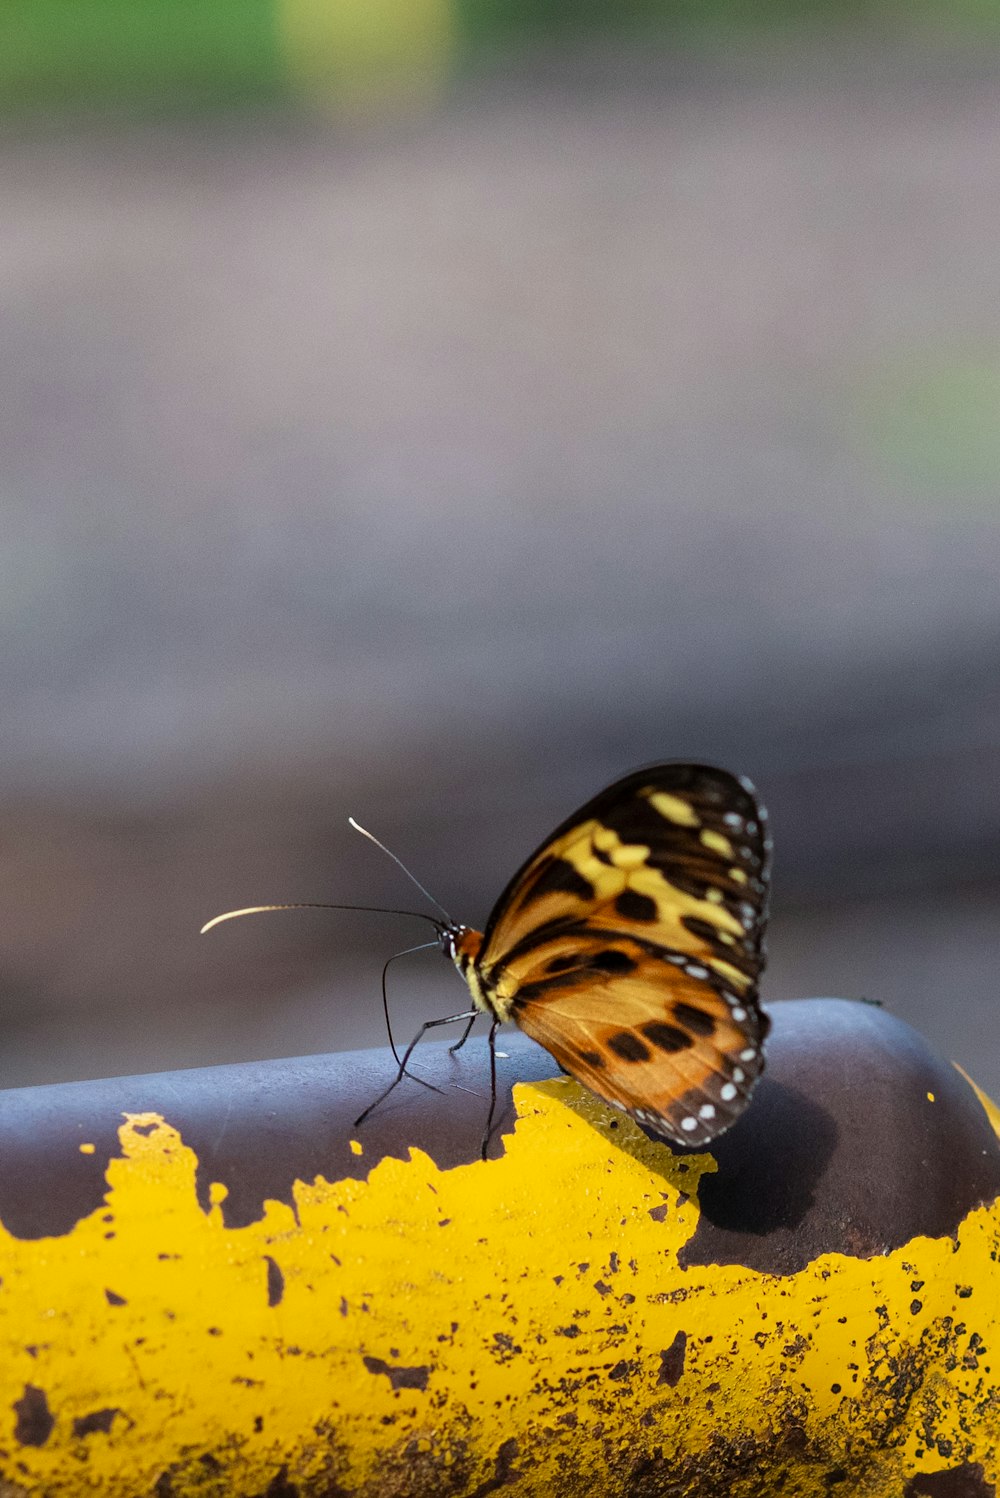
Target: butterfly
[630,945]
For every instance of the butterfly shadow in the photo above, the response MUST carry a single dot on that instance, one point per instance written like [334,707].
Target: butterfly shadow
[763,1207]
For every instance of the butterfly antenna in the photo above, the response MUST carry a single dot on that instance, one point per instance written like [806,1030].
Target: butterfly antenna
[232,915]
[400,864]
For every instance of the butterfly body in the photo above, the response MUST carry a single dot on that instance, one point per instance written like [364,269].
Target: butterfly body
[630,945]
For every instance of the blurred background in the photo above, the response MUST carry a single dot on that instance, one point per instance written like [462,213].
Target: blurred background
[431,410]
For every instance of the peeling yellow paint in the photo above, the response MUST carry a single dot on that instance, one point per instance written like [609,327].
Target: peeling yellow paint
[989,1106]
[522,1322]
[87,1149]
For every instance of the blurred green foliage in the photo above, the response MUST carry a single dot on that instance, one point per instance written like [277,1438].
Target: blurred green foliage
[179,53]
[70,52]
[933,421]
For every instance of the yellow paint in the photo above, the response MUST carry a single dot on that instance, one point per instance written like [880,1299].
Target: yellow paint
[930,1097]
[717,843]
[87,1149]
[361,57]
[356,1147]
[674,809]
[992,1111]
[536,1298]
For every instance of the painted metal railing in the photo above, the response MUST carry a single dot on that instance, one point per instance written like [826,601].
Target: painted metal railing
[212,1283]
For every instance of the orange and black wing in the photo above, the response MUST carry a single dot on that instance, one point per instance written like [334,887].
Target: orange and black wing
[631,942]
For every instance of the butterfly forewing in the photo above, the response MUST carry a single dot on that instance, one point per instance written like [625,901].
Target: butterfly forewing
[630,945]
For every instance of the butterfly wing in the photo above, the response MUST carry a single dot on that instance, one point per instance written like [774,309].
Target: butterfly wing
[631,942]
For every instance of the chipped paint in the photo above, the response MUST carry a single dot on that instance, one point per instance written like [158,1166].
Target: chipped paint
[517,1324]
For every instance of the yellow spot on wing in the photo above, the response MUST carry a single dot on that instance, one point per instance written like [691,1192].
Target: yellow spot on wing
[739,875]
[717,843]
[729,974]
[674,809]
[629,856]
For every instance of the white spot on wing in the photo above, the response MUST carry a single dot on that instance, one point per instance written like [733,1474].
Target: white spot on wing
[687,1124]
[727,1092]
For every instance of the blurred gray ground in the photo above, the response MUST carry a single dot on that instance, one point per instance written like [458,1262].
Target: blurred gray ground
[439,473]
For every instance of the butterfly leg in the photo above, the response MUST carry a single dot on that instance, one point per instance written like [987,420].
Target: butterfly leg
[493,1084]
[385,1010]
[465,1033]
[430,1024]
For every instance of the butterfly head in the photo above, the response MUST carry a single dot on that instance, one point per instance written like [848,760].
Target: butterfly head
[461,944]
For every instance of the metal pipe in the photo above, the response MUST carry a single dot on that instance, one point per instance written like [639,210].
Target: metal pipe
[212,1283]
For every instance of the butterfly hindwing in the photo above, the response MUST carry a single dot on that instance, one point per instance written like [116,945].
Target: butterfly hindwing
[666,1044]
[630,945]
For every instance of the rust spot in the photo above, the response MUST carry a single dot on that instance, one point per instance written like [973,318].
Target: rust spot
[672,1361]
[505,1348]
[85,1425]
[275,1281]
[34,1418]
[966,1481]
[280,1487]
[113,1299]
[400,1378]
[659,1214]
[504,1471]
[602,1288]
[796,1347]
